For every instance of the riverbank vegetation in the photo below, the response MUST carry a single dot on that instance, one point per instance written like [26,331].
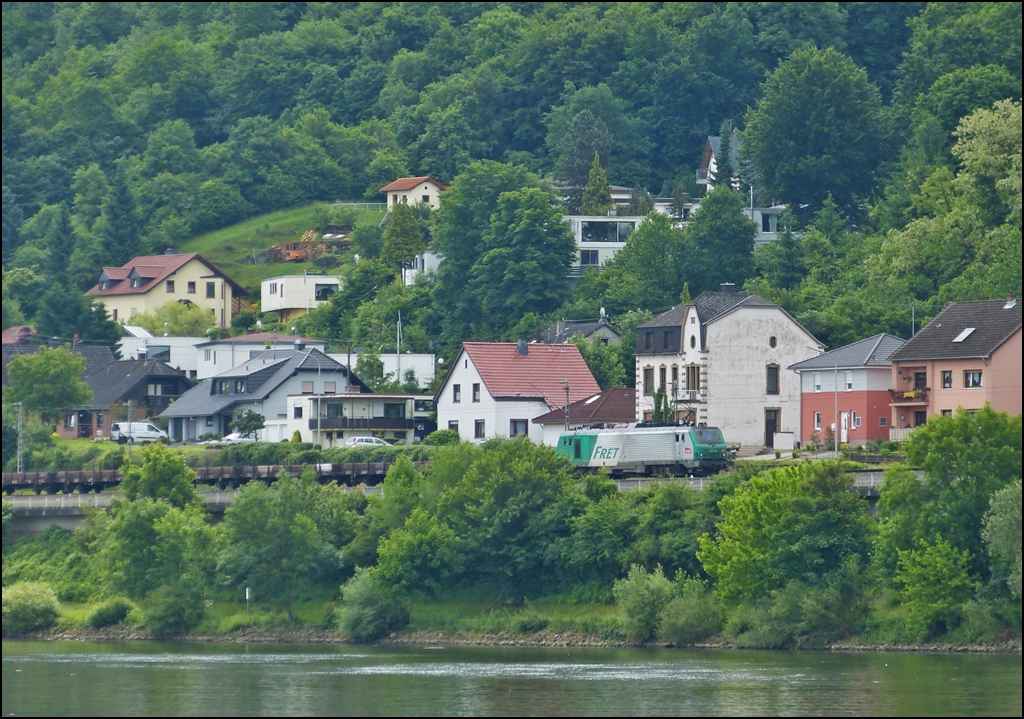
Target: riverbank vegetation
[504,538]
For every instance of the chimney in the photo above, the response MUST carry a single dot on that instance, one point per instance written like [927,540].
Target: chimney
[1011,302]
[524,347]
[299,345]
[728,287]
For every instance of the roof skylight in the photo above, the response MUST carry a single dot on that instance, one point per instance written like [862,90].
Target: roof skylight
[964,335]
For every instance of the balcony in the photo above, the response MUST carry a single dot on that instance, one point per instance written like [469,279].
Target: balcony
[362,423]
[687,396]
[912,396]
[900,434]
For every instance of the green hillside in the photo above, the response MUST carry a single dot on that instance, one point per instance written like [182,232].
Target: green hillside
[231,248]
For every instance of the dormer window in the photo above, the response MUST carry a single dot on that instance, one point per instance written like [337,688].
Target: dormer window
[104,285]
[136,283]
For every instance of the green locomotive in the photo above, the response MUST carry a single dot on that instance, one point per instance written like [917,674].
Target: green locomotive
[695,451]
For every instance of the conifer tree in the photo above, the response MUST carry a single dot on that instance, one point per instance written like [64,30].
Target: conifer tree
[60,243]
[723,158]
[120,236]
[403,238]
[597,196]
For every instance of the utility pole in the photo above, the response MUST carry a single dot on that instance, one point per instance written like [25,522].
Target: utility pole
[565,382]
[21,437]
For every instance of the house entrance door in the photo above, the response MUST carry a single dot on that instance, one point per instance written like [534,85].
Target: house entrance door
[920,418]
[844,427]
[771,426]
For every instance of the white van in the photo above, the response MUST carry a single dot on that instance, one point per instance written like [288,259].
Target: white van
[136,432]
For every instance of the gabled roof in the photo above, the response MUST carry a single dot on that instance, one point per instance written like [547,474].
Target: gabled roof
[556,334]
[96,356]
[409,183]
[715,141]
[538,374]
[110,384]
[612,406]
[991,323]
[710,306]
[151,270]
[265,372]
[871,352]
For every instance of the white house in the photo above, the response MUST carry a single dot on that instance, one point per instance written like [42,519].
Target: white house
[426,261]
[292,296]
[262,384]
[216,356]
[412,190]
[497,389]
[721,360]
[599,237]
[178,352]
[329,419]
[422,364]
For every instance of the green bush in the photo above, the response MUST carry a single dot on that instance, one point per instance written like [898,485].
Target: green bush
[366,613]
[173,610]
[642,597]
[113,611]
[529,621]
[54,556]
[693,616]
[935,584]
[441,437]
[28,607]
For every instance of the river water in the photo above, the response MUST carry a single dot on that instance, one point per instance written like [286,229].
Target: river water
[154,678]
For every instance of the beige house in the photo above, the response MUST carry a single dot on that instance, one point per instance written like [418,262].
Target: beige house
[968,355]
[146,283]
[410,190]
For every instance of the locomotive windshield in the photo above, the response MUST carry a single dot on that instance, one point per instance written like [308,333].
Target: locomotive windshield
[710,435]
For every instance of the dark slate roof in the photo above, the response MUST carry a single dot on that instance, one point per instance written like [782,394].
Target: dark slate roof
[110,384]
[612,406]
[710,306]
[871,352]
[734,147]
[994,322]
[265,372]
[96,357]
[552,336]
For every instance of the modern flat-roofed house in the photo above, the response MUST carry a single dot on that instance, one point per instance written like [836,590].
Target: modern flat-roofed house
[145,283]
[720,361]
[609,408]
[856,379]
[968,355]
[216,356]
[261,384]
[496,389]
[412,190]
[329,419]
[292,296]
[599,238]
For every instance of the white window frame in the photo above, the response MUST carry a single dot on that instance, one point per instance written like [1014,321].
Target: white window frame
[848,381]
[817,420]
[817,383]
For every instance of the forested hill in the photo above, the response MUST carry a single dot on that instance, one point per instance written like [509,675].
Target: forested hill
[135,126]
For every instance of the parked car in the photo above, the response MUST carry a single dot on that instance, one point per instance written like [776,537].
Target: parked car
[237,438]
[365,442]
[136,432]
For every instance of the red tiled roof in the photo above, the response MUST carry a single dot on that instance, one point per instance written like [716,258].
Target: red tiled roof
[539,374]
[12,335]
[154,269]
[409,183]
[613,406]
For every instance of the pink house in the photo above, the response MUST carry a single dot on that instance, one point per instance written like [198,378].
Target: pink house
[852,381]
[968,355]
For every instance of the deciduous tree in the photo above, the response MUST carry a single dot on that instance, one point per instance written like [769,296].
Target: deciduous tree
[48,382]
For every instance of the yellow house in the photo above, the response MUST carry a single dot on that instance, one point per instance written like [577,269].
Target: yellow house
[145,283]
